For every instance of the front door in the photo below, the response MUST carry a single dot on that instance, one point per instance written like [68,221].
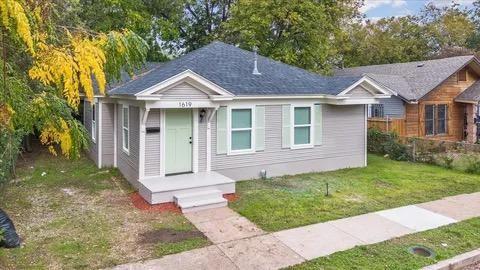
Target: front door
[178,141]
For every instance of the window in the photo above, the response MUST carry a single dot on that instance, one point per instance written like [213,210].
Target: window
[302,125]
[375,110]
[125,128]
[429,119]
[94,123]
[441,119]
[436,119]
[241,129]
[462,75]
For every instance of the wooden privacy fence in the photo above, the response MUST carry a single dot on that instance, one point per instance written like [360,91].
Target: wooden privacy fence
[388,125]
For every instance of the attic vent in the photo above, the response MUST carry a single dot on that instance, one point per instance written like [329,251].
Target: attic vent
[255,68]
[421,65]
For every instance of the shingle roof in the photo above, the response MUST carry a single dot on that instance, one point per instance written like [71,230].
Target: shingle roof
[412,80]
[472,93]
[231,68]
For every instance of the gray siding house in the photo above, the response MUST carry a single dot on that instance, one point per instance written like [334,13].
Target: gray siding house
[186,130]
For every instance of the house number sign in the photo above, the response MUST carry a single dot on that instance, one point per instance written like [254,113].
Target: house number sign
[185,104]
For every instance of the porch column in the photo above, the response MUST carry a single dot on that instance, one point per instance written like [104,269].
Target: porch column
[141,150]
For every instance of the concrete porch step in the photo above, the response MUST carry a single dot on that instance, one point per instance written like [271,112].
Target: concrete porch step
[190,197]
[202,200]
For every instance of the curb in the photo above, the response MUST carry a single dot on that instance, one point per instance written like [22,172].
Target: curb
[456,262]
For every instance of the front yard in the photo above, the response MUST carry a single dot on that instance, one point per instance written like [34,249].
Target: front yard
[72,215]
[292,201]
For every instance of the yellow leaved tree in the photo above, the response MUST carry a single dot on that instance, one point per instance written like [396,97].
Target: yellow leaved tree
[69,63]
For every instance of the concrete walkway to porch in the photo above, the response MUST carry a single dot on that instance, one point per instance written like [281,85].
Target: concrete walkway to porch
[239,244]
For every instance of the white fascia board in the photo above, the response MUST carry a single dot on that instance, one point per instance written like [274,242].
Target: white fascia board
[187,74]
[365,79]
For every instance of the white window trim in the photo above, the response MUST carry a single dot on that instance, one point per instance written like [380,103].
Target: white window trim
[292,126]
[229,131]
[126,150]
[94,123]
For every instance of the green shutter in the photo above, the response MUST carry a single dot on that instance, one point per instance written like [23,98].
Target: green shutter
[259,128]
[286,126]
[318,125]
[222,130]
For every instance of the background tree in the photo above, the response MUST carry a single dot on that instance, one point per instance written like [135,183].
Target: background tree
[388,40]
[301,33]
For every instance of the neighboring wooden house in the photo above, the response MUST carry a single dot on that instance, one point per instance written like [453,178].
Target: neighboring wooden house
[436,99]
[186,130]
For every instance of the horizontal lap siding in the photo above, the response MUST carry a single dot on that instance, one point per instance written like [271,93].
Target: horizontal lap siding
[183,91]
[202,146]
[92,153]
[128,164]
[343,136]
[107,134]
[393,107]
[152,145]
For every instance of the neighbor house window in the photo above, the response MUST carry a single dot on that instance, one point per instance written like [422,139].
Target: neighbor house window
[241,129]
[436,119]
[125,128]
[302,125]
[441,119]
[375,110]
[94,123]
[462,75]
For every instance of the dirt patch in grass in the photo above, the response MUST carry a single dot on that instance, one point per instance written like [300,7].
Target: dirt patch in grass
[167,236]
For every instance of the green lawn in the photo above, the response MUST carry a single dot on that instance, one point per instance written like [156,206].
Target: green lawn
[77,216]
[292,201]
[446,242]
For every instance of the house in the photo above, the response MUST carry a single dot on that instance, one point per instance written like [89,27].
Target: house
[186,130]
[436,99]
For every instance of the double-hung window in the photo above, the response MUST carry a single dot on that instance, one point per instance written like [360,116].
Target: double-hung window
[94,122]
[125,128]
[302,126]
[436,119]
[375,110]
[241,136]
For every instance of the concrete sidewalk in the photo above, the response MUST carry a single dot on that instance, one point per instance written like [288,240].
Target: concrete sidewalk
[239,244]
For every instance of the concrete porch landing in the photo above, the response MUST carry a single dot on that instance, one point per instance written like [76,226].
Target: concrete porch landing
[164,189]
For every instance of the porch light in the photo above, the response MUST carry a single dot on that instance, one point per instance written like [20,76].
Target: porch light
[203,112]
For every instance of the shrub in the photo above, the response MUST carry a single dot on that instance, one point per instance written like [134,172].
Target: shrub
[472,164]
[387,144]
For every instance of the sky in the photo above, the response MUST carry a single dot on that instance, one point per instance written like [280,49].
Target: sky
[376,9]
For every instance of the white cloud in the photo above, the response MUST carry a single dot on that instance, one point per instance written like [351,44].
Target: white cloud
[371,4]
[444,3]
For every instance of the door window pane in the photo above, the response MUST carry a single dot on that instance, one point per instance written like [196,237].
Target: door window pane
[241,139]
[302,135]
[242,118]
[302,116]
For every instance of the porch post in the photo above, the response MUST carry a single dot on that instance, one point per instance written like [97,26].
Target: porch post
[141,159]
[162,142]
[195,141]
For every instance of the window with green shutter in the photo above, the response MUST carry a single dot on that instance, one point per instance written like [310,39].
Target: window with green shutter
[302,126]
[241,129]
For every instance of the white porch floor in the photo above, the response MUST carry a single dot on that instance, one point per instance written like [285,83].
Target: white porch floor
[163,189]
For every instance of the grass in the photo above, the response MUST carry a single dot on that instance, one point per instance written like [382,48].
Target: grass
[71,215]
[446,242]
[293,201]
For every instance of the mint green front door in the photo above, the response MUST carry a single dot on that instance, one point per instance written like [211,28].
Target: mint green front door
[178,141]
